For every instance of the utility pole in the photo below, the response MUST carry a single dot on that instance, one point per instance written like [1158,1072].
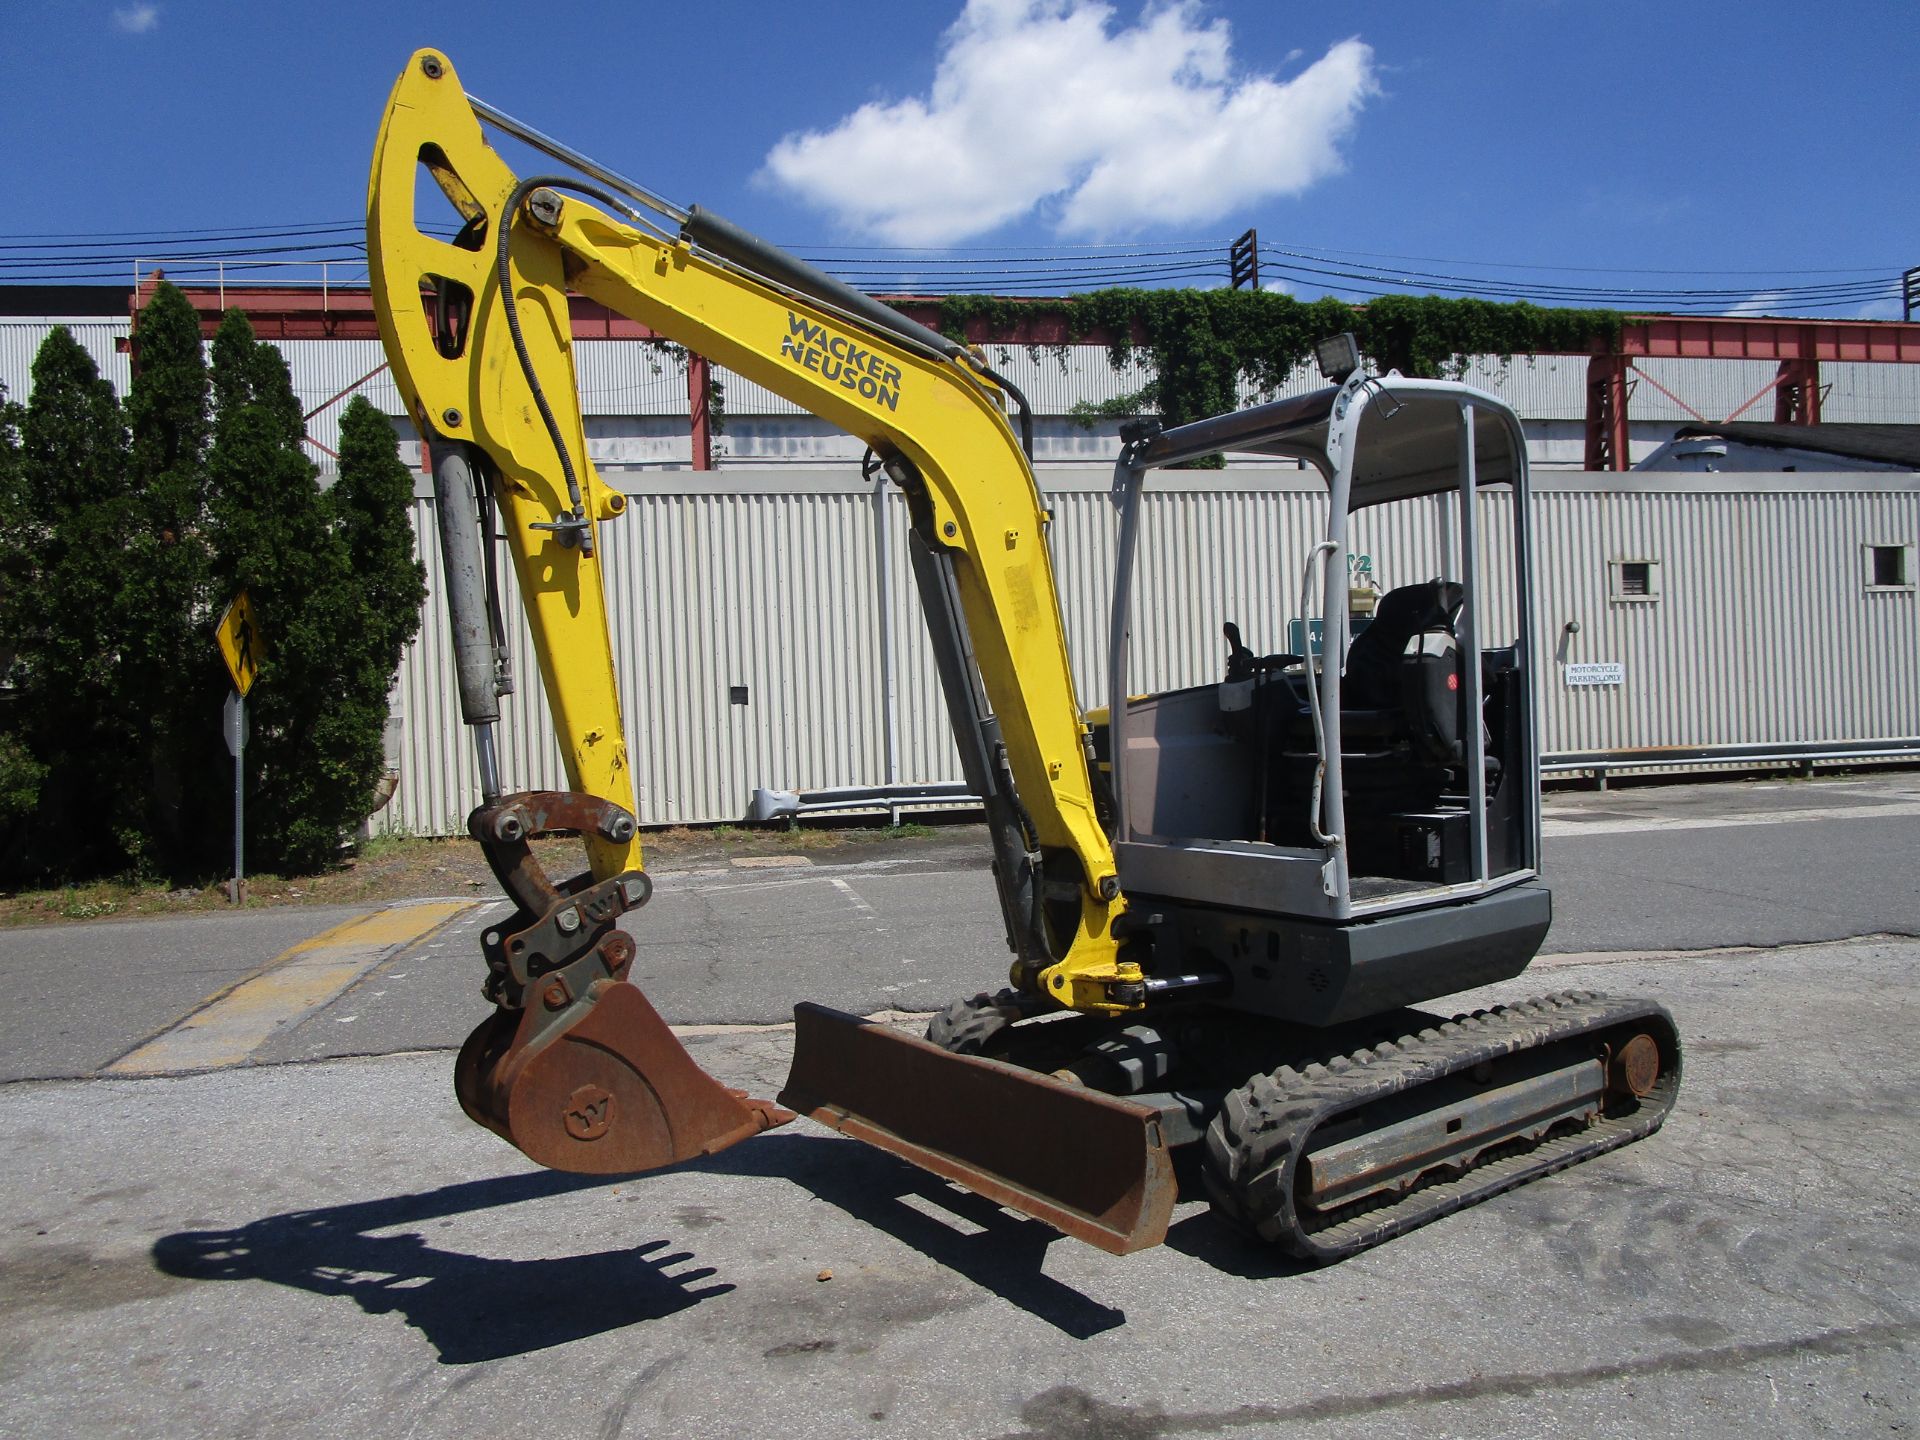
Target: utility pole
[1243,261]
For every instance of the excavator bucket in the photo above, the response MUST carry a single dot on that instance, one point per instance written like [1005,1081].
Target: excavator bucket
[607,1090]
[576,1068]
[1089,1164]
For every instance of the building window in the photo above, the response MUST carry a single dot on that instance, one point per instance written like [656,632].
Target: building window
[1889,567]
[1636,579]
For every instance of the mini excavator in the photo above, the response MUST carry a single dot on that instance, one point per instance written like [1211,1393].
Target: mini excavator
[1224,903]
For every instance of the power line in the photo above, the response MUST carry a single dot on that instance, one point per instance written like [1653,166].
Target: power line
[180,256]
[1323,252]
[242,230]
[70,257]
[166,238]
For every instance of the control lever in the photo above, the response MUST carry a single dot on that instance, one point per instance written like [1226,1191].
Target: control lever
[1243,664]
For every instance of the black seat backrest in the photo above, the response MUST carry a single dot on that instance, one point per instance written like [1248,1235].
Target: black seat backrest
[1373,678]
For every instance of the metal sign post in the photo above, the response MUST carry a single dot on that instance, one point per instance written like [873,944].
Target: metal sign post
[233,718]
[243,647]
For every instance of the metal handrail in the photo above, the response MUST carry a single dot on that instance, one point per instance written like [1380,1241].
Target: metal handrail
[1325,547]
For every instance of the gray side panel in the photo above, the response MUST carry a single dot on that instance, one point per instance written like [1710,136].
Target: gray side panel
[1315,974]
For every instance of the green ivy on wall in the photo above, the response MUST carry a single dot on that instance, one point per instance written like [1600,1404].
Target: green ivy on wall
[1200,343]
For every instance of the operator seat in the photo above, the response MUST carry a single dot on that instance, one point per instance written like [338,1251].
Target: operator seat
[1402,683]
[1403,720]
[1401,707]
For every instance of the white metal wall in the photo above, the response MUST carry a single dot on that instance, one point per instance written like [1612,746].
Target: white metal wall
[1763,630]
[21,338]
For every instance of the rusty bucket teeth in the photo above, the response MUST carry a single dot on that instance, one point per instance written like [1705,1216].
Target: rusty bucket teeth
[605,1089]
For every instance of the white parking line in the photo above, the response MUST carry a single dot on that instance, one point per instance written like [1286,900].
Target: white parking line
[1638,825]
[853,898]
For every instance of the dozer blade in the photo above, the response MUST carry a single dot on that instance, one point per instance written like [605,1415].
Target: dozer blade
[1089,1164]
[602,1089]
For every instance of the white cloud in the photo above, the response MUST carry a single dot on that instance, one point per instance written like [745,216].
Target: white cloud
[1767,302]
[136,19]
[1047,106]
[1780,303]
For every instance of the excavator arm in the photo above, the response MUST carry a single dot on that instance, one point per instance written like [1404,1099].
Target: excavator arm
[500,378]
[575,1067]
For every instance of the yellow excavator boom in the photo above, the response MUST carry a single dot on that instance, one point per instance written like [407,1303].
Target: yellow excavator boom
[936,418]
[575,1067]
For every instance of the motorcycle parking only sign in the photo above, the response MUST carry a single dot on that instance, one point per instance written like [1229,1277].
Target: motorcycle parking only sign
[1597,672]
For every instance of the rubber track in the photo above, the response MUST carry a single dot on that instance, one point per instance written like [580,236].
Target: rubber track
[1254,1144]
[968,1027]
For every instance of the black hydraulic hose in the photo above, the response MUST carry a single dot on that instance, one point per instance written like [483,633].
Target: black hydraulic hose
[1263,742]
[504,273]
[1019,399]
[717,234]
[724,238]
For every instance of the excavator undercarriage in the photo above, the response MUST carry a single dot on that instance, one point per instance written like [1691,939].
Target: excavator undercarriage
[1225,902]
[1340,1139]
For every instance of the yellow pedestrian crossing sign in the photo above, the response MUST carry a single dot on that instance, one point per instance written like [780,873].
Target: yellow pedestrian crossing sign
[242,645]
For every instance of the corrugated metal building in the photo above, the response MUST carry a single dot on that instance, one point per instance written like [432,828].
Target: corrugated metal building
[749,609]
[783,577]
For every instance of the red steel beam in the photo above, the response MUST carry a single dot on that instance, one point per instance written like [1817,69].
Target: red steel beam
[699,373]
[294,312]
[1608,439]
[299,312]
[1796,395]
[1729,338]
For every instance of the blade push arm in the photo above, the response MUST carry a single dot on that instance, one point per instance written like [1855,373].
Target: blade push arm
[501,380]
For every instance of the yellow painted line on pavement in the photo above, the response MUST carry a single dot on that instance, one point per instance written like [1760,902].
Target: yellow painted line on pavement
[231,1025]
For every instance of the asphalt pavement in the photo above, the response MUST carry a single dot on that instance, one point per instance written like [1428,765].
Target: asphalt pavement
[330,1250]
[298,1233]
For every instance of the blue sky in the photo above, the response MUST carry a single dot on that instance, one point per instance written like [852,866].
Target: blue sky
[1748,142]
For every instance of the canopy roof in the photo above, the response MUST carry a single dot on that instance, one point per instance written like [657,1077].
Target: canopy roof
[1408,441]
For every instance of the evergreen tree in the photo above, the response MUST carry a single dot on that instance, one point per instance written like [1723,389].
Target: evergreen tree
[334,587]
[20,773]
[370,502]
[122,534]
[170,662]
[13,518]
[66,576]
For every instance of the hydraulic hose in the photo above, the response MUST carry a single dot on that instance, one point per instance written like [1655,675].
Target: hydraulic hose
[578,531]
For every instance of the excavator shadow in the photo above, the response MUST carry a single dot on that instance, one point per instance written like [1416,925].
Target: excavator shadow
[995,1248]
[474,1308]
[471,1308]
[1206,1238]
